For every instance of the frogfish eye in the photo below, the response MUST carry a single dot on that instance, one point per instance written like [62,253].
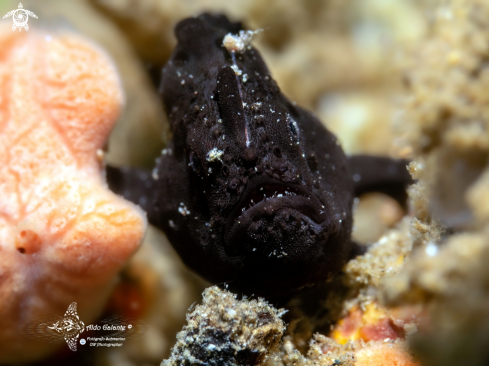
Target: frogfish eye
[294,129]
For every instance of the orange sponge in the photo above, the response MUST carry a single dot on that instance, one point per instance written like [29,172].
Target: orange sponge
[63,234]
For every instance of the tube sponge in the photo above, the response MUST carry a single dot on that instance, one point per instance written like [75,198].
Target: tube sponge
[63,234]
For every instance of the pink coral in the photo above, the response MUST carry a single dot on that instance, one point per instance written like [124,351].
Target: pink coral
[63,234]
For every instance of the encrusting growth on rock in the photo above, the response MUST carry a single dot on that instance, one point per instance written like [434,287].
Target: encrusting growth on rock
[63,234]
[226,331]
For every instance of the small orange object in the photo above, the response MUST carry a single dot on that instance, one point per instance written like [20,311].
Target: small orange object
[378,333]
[63,234]
[373,324]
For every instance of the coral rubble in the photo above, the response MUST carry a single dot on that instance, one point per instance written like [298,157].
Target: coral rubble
[447,121]
[226,331]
